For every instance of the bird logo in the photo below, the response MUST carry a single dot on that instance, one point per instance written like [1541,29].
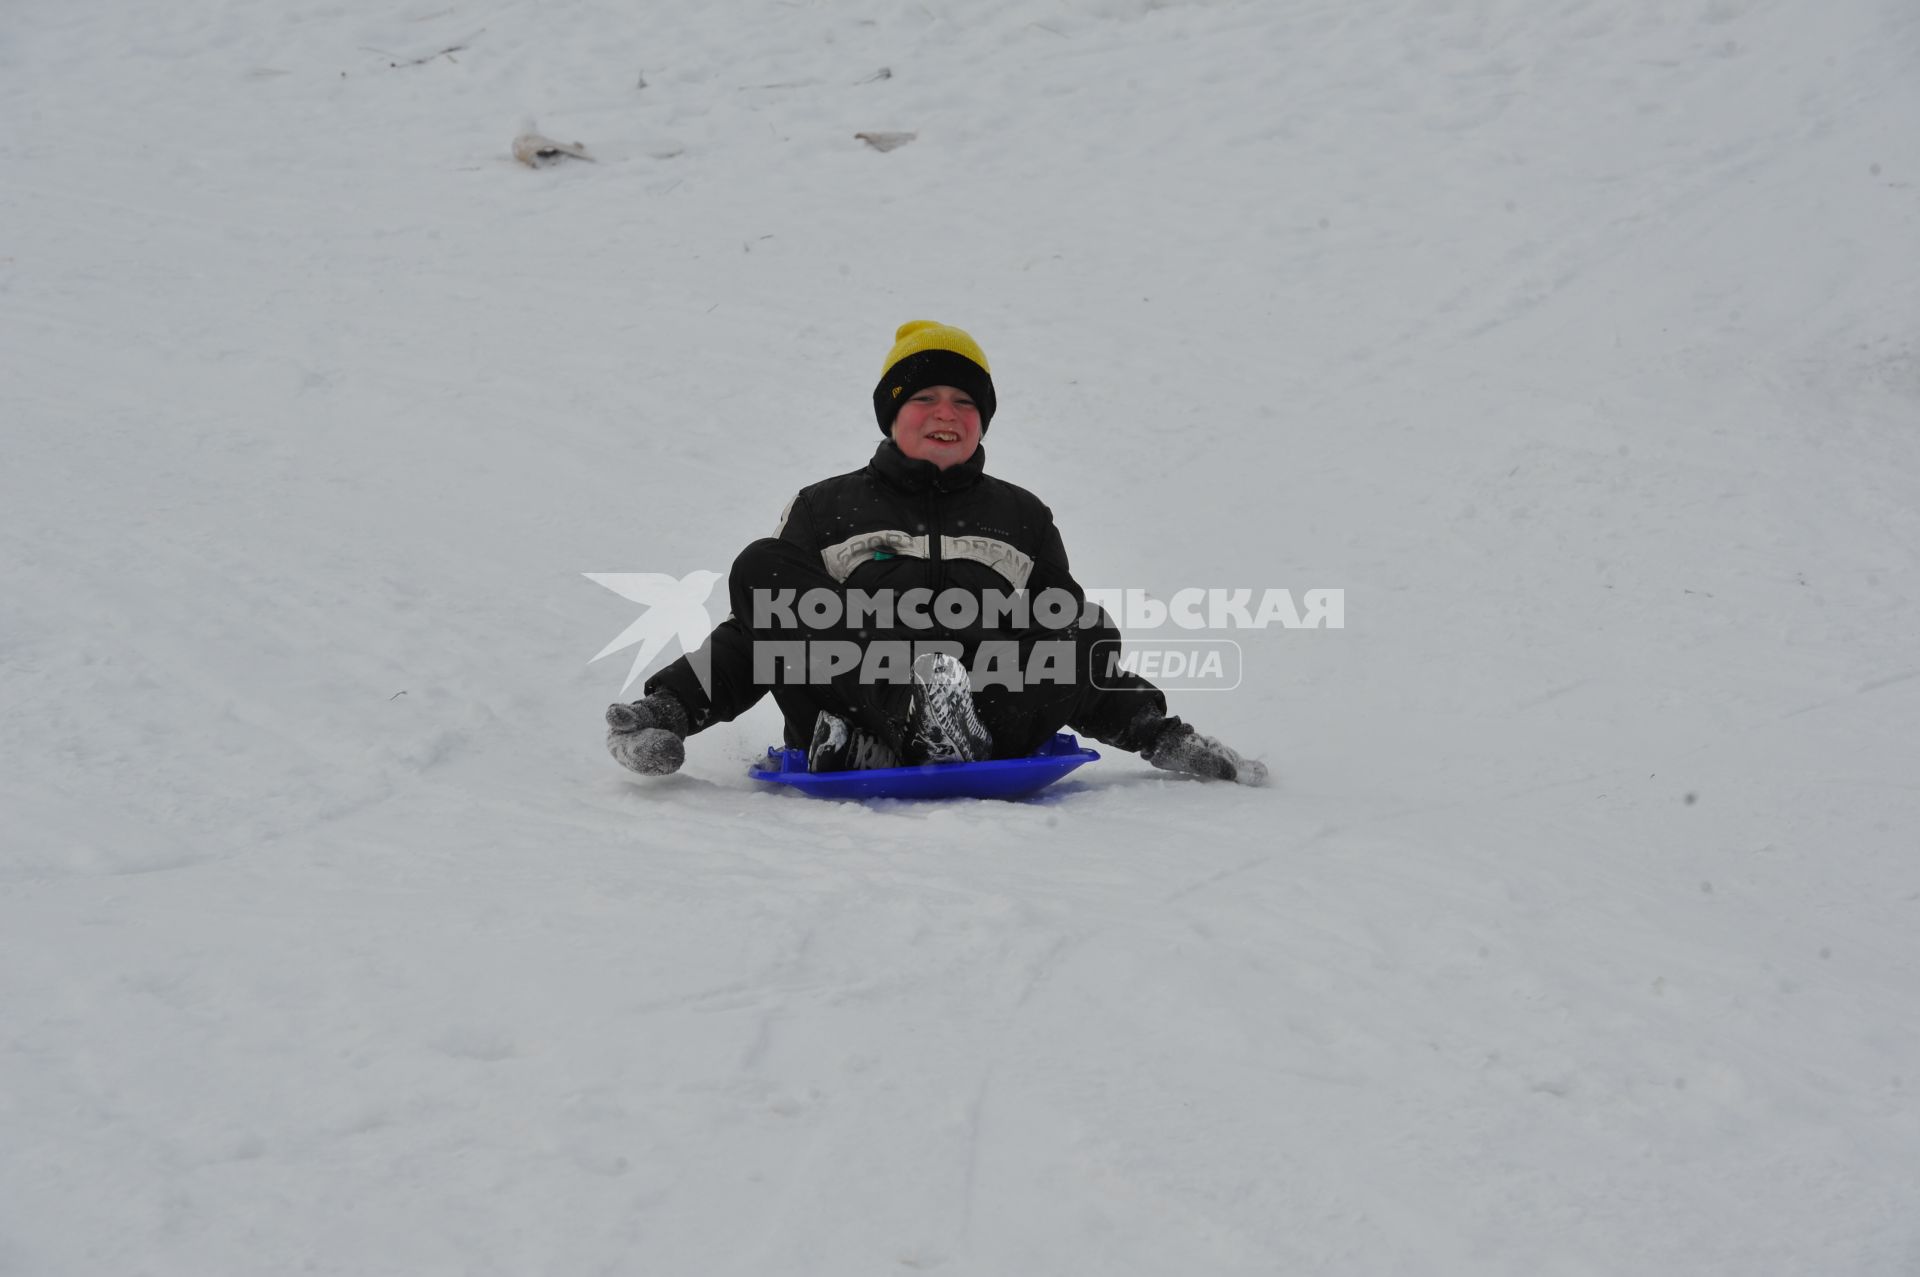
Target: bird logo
[676,609]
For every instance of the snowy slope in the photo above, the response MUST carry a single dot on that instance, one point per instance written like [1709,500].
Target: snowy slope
[1578,342]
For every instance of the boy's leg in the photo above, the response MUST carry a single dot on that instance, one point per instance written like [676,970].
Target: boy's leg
[1119,709]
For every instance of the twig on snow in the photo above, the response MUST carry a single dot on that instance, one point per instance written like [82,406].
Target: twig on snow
[395,60]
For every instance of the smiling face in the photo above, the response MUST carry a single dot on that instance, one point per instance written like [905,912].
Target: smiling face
[939,424]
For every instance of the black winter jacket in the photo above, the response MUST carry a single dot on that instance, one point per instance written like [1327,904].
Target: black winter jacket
[899,524]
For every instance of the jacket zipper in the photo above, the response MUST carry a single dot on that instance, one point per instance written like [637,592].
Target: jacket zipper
[933,541]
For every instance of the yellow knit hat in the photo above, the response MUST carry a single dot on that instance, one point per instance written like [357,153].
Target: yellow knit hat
[928,354]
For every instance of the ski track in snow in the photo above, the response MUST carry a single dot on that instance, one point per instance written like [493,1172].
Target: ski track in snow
[1576,342]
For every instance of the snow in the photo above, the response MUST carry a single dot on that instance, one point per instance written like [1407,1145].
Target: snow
[1575,341]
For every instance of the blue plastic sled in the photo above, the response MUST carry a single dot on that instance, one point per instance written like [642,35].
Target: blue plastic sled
[996,778]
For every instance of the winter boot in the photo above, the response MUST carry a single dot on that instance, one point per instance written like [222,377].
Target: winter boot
[648,736]
[841,746]
[1178,748]
[942,726]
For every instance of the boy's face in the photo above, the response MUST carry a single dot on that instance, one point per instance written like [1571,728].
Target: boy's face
[939,424]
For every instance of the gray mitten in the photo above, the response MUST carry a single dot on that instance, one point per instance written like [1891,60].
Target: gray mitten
[1178,748]
[648,736]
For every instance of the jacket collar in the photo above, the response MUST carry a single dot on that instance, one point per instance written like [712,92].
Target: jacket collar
[896,469]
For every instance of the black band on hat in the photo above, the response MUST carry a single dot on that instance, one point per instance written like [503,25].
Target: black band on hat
[931,368]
